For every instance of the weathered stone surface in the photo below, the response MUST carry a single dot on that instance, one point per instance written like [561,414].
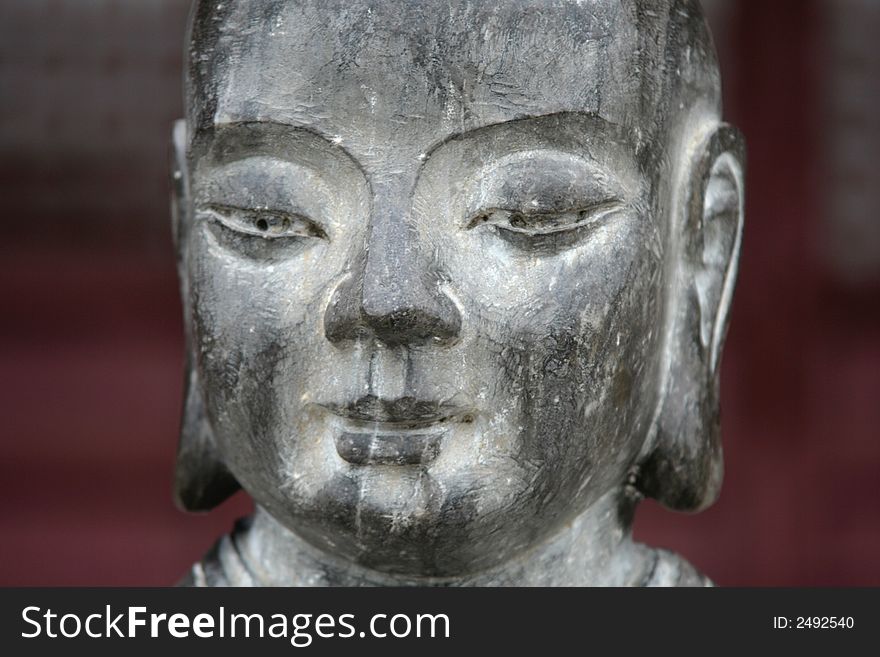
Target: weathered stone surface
[456,279]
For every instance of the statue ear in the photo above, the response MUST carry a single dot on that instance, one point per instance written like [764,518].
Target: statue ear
[201,481]
[179,187]
[684,468]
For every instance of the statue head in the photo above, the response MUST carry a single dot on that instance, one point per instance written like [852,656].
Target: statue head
[454,273]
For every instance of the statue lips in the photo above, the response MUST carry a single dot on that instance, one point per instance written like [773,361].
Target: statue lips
[403,431]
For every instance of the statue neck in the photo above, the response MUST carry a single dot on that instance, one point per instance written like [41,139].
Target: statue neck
[595,549]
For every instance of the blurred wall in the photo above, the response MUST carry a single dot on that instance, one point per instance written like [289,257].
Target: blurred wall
[91,348]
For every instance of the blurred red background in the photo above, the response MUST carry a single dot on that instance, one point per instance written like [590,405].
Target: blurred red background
[91,340]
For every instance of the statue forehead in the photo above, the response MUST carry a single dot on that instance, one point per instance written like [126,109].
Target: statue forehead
[372,68]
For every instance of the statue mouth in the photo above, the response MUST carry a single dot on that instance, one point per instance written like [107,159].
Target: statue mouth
[403,431]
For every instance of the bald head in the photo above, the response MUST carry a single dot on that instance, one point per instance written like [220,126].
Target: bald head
[325,64]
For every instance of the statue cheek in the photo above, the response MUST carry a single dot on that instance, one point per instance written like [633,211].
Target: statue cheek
[575,372]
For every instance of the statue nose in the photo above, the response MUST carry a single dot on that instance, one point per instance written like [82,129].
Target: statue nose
[394,298]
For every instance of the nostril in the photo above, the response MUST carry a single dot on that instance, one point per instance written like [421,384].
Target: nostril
[342,314]
[413,326]
[389,317]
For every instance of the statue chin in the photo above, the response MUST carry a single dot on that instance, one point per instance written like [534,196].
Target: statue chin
[450,316]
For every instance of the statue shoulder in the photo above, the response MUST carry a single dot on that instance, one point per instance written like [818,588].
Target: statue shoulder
[222,566]
[669,569]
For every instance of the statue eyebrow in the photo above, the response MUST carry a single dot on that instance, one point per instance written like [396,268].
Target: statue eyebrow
[234,140]
[622,134]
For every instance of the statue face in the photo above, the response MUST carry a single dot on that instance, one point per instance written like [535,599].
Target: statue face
[425,260]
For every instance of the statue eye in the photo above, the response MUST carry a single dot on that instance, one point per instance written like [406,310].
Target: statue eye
[263,222]
[528,222]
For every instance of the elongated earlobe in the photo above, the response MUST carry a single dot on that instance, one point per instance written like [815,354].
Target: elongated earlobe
[201,481]
[684,468]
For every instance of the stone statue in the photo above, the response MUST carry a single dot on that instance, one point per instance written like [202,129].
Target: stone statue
[456,277]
